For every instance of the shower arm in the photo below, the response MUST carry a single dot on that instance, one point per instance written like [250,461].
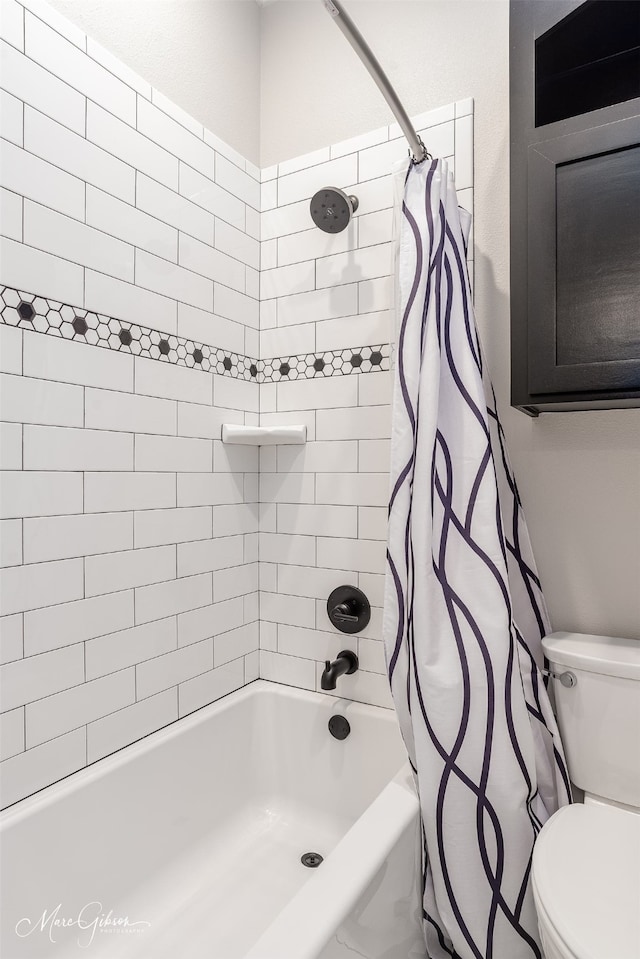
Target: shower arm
[344,22]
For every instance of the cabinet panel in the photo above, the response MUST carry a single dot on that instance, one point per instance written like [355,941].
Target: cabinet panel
[583,225]
[598,259]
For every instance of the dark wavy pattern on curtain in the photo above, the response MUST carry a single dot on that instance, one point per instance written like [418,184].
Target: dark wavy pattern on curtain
[464,610]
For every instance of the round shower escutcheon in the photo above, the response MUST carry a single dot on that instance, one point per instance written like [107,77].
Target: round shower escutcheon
[331,209]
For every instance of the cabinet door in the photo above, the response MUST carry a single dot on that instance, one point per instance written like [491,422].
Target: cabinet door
[584,260]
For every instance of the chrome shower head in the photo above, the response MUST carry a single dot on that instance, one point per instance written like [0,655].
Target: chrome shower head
[331,209]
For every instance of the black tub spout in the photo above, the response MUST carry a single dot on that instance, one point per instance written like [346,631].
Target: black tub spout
[347,662]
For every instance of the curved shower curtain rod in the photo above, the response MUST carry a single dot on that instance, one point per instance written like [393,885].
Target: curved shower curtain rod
[342,20]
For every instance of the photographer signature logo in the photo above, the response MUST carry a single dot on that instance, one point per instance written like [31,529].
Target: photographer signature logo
[91,919]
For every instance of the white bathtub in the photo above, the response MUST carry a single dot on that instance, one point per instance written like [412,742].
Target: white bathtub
[191,840]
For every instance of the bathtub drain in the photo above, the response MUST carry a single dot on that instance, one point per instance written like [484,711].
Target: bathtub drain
[311,859]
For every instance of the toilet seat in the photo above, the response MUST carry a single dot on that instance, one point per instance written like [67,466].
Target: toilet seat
[586,882]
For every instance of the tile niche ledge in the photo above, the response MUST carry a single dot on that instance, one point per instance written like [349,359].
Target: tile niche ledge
[264,435]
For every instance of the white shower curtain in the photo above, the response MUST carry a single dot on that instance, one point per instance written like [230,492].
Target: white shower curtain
[464,611]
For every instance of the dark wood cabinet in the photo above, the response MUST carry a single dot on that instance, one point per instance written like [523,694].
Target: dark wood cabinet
[575,204]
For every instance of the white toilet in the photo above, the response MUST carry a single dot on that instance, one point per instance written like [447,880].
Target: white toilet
[586,862]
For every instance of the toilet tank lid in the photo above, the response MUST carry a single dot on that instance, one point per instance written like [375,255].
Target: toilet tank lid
[608,655]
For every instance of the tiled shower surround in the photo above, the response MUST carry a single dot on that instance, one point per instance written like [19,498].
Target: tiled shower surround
[155,285]
[324,505]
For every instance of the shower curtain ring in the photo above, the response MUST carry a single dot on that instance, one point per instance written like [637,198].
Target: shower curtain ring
[425,153]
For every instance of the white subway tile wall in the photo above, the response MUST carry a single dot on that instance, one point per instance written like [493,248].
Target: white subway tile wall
[324,505]
[124,601]
[132,560]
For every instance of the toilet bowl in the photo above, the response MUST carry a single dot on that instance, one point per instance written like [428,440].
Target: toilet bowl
[586,883]
[586,862]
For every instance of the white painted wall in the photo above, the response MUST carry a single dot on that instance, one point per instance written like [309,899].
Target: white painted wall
[579,473]
[202,54]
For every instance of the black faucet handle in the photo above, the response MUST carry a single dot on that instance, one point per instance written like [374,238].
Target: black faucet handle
[343,613]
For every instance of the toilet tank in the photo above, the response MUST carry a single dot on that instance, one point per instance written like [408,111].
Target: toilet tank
[599,717]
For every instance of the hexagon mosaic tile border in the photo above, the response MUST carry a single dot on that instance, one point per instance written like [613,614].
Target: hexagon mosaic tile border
[30,311]
[363,359]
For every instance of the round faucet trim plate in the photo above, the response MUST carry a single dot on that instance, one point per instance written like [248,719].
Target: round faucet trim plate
[348,609]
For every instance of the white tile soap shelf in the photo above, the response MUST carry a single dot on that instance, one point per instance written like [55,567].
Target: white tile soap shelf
[264,435]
